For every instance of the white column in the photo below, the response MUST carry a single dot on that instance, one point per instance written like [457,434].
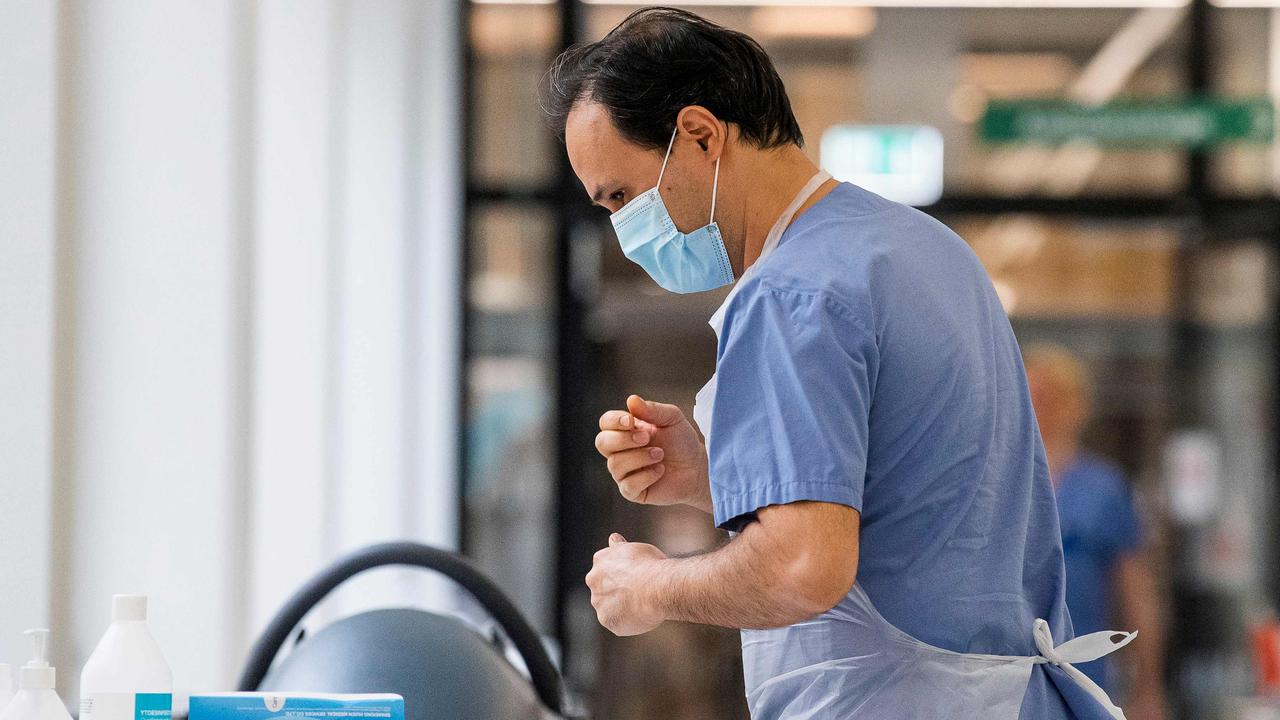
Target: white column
[356,299]
[435,279]
[28,64]
[152,430]
[372,310]
[433,276]
[297,50]
[380,473]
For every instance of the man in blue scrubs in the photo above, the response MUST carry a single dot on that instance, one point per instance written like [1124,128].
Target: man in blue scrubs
[1102,536]
[869,419]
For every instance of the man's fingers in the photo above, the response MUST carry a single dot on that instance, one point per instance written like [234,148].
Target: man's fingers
[617,420]
[635,487]
[660,414]
[626,462]
[609,442]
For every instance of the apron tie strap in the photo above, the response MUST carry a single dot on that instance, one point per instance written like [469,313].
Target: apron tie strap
[1082,649]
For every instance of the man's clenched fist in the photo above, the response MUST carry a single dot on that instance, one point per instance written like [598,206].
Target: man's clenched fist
[621,581]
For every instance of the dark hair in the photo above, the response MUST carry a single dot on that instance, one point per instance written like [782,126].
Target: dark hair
[660,60]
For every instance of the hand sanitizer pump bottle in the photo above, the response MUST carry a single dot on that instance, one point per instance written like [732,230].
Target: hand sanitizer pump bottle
[36,698]
[126,677]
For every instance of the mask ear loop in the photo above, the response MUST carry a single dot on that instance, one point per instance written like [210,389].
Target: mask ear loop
[667,157]
[715,184]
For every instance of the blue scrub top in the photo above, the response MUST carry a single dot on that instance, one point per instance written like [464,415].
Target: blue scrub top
[868,362]
[1099,525]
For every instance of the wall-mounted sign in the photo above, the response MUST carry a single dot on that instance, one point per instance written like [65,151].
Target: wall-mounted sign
[1131,123]
[899,162]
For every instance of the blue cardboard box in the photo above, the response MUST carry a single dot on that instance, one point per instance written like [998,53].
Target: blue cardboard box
[295,706]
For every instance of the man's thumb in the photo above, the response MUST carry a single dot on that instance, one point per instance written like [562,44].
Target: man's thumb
[616,539]
[660,414]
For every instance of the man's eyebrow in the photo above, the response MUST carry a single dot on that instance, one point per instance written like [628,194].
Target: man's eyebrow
[598,195]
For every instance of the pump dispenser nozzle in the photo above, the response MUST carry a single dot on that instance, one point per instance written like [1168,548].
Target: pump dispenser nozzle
[36,674]
[39,648]
[36,698]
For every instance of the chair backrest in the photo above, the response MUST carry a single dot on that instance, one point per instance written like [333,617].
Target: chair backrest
[431,658]
[444,669]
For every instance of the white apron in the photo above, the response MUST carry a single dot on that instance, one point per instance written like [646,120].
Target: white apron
[887,674]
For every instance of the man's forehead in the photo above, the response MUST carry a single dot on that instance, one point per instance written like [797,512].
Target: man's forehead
[597,151]
[590,136]
[589,119]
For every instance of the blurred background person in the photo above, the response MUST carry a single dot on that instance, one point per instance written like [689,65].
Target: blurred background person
[1110,580]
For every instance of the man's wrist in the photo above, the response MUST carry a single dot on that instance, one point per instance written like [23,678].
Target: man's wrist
[703,500]
[656,587]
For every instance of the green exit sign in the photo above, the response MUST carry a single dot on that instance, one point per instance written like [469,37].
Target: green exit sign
[1132,123]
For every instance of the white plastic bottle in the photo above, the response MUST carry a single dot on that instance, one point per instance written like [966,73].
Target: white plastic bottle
[126,677]
[6,685]
[36,698]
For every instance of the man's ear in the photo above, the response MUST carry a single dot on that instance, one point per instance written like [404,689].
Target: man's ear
[702,124]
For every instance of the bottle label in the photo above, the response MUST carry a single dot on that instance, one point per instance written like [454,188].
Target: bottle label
[127,706]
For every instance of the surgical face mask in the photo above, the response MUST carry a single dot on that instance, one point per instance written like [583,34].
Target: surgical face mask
[679,262]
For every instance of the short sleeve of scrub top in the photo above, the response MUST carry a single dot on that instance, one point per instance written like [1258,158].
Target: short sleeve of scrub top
[795,372]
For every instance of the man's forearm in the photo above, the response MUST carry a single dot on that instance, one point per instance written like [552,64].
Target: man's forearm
[743,584]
